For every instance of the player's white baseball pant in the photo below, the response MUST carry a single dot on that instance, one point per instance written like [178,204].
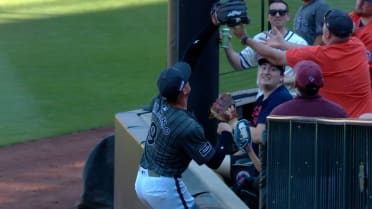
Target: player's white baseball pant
[159,192]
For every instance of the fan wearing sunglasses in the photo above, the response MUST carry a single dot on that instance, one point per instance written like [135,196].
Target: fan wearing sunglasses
[278,17]
[280,12]
[308,21]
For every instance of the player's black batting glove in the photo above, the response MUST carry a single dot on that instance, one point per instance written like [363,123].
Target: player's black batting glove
[231,12]
[242,134]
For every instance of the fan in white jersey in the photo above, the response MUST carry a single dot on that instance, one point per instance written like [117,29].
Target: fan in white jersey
[278,17]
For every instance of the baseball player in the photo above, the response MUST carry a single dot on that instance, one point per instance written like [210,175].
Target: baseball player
[175,137]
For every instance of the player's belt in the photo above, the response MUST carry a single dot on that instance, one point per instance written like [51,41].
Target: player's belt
[152,173]
[149,172]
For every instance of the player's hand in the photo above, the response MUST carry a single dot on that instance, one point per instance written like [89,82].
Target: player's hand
[223,126]
[214,20]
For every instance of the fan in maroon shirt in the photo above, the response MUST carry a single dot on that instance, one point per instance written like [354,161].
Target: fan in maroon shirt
[309,103]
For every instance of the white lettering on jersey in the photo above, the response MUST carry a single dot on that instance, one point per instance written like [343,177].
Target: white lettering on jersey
[158,112]
[152,134]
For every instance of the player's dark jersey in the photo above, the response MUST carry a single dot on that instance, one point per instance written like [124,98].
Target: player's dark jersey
[174,139]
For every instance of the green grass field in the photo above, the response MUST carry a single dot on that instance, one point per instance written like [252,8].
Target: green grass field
[70,65]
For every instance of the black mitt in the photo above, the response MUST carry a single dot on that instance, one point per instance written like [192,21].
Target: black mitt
[231,12]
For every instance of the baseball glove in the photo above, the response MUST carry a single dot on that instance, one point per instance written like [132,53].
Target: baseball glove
[231,12]
[224,108]
[242,134]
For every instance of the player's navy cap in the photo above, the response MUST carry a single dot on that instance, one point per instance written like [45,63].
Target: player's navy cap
[339,23]
[262,60]
[172,80]
[308,72]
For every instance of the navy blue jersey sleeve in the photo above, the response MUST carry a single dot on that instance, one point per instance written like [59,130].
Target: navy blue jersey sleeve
[197,146]
[196,47]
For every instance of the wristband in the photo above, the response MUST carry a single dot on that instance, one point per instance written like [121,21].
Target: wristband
[244,40]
